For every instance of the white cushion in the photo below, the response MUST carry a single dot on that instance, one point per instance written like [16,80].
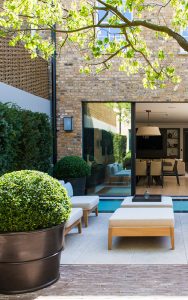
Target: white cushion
[69,188]
[166,201]
[62,182]
[85,202]
[124,173]
[115,168]
[76,214]
[120,167]
[110,170]
[142,217]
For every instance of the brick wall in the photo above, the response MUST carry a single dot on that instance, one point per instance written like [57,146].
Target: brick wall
[74,88]
[19,70]
[105,113]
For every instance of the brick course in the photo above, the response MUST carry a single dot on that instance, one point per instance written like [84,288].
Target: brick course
[74,88]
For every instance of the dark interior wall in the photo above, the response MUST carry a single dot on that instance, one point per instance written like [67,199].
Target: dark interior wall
[155,151]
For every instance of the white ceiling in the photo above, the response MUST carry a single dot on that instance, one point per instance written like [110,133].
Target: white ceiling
[162,112]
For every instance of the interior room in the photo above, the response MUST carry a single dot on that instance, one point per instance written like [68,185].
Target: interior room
[162,154]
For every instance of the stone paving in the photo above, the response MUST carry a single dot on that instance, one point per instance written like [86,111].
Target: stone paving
[90,247]
[135,266]
[113,280]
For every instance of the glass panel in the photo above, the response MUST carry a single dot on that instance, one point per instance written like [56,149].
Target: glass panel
[102,34]
[115,33]
[107,131]
[185,33]
[110,32]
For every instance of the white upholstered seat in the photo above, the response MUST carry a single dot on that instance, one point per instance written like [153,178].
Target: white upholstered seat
[141,221]
[76,214]
[87,203]
[142,217]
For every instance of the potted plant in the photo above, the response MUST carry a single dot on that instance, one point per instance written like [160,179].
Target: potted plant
[73,169]
[33,209]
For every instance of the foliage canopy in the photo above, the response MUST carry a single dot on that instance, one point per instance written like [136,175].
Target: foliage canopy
[81,22]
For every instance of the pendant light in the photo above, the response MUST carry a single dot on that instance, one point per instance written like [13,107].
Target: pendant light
[148,130]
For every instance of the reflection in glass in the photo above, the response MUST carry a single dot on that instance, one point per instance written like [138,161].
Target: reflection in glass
[107,141]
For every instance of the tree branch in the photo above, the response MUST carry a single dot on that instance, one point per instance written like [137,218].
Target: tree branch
[160,28]
[111,56]
[143,23]
[140,52]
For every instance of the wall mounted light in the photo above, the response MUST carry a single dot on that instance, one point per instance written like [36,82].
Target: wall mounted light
[68,123]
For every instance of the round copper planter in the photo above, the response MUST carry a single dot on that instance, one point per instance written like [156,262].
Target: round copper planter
[30,260]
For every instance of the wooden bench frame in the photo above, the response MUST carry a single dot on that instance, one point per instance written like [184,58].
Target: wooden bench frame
[140,231]
[78,224]
[86,213]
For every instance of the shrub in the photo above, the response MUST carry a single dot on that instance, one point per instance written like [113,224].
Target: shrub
[31,200]
[71,167]
[25,140]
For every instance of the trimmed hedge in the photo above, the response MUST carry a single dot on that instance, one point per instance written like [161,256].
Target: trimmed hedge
[31,200]
[71,167]
[25,140]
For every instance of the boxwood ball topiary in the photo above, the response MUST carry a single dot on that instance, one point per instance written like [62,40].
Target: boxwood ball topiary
[31,200]
[71,167]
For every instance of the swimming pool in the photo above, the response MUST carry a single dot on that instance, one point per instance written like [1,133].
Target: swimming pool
[110,205]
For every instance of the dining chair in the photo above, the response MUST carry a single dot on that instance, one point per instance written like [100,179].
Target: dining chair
[173,172]
[156,172]
[141,169]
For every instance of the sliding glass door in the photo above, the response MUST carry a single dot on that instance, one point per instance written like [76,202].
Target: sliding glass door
[107,144]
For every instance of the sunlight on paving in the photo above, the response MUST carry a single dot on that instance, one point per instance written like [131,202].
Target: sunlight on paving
[90,247]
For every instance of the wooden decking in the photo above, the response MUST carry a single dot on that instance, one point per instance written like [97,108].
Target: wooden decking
[114,280]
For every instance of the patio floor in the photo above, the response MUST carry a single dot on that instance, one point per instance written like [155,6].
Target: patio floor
[90,247]
[88,282]
[135,266]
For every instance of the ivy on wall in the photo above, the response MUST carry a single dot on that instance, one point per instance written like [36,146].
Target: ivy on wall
[25,140]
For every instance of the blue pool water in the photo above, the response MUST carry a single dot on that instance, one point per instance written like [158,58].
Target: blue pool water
[110,205]
[180,206]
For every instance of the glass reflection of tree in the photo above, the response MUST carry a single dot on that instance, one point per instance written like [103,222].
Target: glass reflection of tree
[123,112]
